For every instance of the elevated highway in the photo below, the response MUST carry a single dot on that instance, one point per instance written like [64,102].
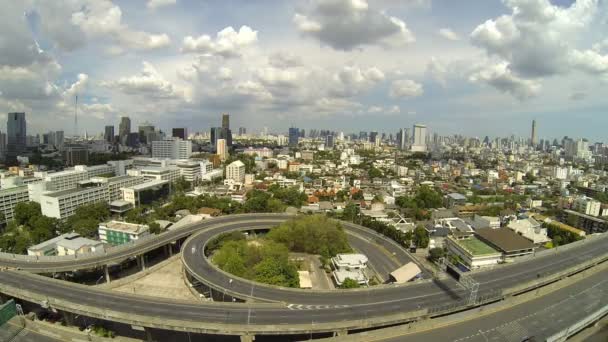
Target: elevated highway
[274,310]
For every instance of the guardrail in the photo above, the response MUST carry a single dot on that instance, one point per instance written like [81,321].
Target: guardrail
[116,249]
[578,326]
[499,295]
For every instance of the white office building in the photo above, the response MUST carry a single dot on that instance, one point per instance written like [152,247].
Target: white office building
[173,148]
[419,143]
[10,197]
[168,173]
[190,170]
[114,184]
[63,204]
[236,171]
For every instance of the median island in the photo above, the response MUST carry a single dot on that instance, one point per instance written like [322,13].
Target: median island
[269,258]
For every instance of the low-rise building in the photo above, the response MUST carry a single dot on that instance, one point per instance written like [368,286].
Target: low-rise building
[350,261]
[65,244]
[509,243]
[118,233]
[530,229]
[473,252]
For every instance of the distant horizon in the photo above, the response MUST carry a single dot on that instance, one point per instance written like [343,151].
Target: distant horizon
[487,67]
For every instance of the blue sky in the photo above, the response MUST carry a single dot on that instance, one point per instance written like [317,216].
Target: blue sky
[480,67]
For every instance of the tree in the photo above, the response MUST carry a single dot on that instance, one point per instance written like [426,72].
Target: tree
[349,283]
[358,195]
[26,212]
[350,212]
[314,234]
[421,237]
[436,253]
[154,227]
[86,227]
[181,185]
[374,173]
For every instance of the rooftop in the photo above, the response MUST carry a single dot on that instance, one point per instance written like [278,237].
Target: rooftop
[147,185]
[70,191]
[53,242]
[476,247]
[77,243]
[124,226]
[504,239]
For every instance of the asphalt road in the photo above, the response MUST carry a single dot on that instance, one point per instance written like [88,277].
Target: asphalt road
[298,306]
[391,298]
[116,255]
[539,318]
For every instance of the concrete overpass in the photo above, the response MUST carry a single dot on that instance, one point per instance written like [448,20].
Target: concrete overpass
[288,311]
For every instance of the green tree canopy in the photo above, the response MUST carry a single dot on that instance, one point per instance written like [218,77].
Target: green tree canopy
[349,283]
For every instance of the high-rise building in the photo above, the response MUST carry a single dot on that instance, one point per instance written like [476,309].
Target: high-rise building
[145,132]
[419,144]
[2,146]
[174,148]
[533,135]
[75,155]
[403,139]
[108,134]
[124,128]
[242,131]
[15,135]
[226,121]
[372,137]
[181,133]
[329,141]
[294,136]
[222,150]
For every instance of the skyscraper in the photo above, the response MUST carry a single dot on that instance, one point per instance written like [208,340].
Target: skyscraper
[402,139]
[226,121]
[181,133]
[146,132]
[533,136]
[108,134]
[222,150]
[242,130]
[372,137]
[294,136]
[124,129]
[16,135]
[419,144]
[329,141]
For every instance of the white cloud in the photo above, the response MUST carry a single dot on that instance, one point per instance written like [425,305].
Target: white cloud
[154,4]
[350,24]
[405,89]
[352,80]
[590,61]
[149,83]
[228,43]
[501,77]
[536,38]
[103,19]
[449,34]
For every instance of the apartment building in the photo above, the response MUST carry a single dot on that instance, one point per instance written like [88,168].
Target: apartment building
[174,148]
[168,173]
[115,184]
[63,204]
[10,197]
[236,171]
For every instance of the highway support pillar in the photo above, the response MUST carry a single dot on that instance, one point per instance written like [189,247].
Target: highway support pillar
[149,335]
[342,332]
[142,263]
[107,273]
[68,318]
[3,298]
[247,338]
[170,250]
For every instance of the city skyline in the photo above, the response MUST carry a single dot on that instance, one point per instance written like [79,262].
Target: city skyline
[470,70]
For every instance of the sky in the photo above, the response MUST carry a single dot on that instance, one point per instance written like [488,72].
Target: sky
[475,67]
